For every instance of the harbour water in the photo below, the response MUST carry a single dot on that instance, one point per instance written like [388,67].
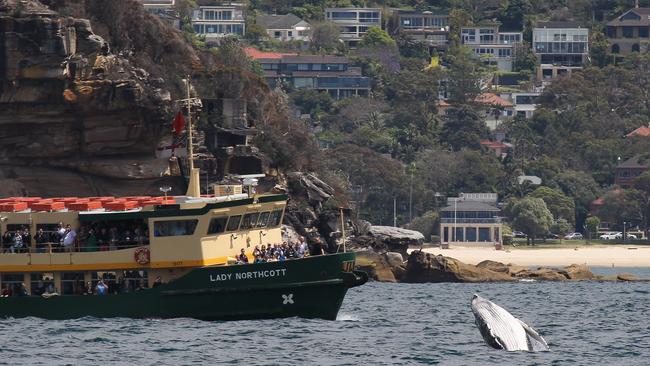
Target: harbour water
[585,323]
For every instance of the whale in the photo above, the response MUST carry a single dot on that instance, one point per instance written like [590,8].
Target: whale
[501,330]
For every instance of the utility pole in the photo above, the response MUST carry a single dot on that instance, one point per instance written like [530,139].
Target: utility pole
[395,211]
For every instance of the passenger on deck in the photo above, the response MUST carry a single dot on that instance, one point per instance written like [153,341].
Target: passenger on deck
[18,242]
[157,282]
[69,238]
[41,241]
[257,252]
[317,248]
[102,289]
[242,257]
[7,240]
[141,286]
[23,290]
[6,292]
[91,241]
[88,289]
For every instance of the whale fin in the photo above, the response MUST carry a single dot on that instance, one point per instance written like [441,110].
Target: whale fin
[535,341]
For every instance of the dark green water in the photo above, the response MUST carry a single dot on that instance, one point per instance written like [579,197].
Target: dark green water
[585,323]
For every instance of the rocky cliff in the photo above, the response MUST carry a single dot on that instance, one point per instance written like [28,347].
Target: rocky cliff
[75,118]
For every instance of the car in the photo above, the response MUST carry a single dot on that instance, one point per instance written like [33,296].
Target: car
[552,236]
[518,234]
[611,235]
[619,236]
[573,236]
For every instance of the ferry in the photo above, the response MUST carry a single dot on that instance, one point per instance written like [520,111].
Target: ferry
[161,257]
[168,257]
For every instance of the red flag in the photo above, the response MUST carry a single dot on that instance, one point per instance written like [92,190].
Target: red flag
[179,123]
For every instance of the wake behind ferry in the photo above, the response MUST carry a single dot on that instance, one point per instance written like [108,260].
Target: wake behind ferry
[161,257]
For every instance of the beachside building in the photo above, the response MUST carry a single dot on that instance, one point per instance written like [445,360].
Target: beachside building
[353,22]
[494,109]
[287,27]
[424,26]
[523,104]
[217,21]
[560,47]
[332,74]
[492,46]
[630,169]
[630,32]
[472,219]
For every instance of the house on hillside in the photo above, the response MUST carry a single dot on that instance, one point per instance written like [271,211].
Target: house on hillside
[332,74]
[490,45]
[353,22]
[424,26]
[627,171]
[560,47]
[217,21]
[523,104]
[473,219]
[494,109]
[630,32]
[164,9]
[643,131]
[287,27]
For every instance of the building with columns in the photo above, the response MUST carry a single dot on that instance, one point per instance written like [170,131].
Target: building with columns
[471,220]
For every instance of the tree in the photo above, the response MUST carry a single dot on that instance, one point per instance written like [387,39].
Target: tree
[582,188]
[376,36]
[561,206]
[642,185]
[513,12]
[592,224]
[523,57]
[427,224]
[312,101]
[466,74]
[561,227]
[599,49]
[324,36]
[531,216]
[463,128]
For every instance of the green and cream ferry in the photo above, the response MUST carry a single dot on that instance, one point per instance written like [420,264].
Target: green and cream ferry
[160,258]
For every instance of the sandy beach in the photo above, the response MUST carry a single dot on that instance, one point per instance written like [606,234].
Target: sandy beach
[617,256]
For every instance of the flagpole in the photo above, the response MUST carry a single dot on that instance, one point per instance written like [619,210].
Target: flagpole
[190,147]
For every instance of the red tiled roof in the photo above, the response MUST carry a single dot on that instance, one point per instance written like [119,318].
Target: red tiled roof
[492,99]
[257,54]
[494,144]
[643,131]
[443,104]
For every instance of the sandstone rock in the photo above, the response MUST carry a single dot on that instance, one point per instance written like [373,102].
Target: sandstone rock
[388,239]
[394,259]
[578,272]
[626,277]
[518,271]
[494,266]
[376,266]
[425,267]
[547,274]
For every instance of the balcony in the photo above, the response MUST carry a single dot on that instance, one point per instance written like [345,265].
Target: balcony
[494,220]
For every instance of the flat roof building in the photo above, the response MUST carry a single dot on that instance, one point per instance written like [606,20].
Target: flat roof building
[353,22]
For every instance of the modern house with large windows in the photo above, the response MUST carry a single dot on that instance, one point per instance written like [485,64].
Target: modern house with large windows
[560,47]
[164,9]
[424,26]
[332,74]
[353,22]
[287,27]
[471,220]
[216,21]
[490,45]
[630,32]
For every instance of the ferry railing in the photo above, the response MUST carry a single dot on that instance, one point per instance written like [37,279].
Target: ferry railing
[76,248]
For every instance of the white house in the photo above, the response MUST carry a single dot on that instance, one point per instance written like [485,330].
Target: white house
[287,27]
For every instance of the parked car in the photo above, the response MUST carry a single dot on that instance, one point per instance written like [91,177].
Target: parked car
[552,236]
[619,236]
[611,235]
[573,236]
[518,234]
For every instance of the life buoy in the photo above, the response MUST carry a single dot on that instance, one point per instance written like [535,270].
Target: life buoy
[142,256]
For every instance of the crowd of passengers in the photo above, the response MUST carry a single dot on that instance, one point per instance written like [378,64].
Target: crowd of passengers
[90,238]
[103,287]
[281,252]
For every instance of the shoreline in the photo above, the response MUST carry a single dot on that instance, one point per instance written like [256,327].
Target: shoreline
[607,256]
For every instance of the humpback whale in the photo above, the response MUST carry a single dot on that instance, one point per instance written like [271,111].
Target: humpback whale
[501,330]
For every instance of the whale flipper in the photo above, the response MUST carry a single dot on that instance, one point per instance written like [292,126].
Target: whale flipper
[535,341]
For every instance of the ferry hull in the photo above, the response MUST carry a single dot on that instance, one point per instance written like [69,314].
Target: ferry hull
[312,287]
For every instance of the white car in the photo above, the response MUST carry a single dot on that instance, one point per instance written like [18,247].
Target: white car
[629,236]
[573,236]
[612,235]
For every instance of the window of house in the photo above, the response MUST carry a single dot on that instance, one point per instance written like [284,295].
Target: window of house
[342,15]
[233,223]
[628,32]
[470,232]
[249,221]
[40,282]
[174,228]
[611,32]
[275,219]
[484,234]
[264,219]
[226,15]
[504,52]
[217,225]
[303,67]
[290,33]
[368,17]
[72,283]
[277,34]
[316,67]
[643,32]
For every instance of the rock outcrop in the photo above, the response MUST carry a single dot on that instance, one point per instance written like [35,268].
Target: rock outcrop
[384,239]
[387,267]
[426,267]
[70,107]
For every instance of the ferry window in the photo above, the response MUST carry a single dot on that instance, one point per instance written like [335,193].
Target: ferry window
[12,281]
[264,219]
[217,225]
[132,280]
[233,223]
[249,221]
[275,219]
[42,283]
[72,283]
[12,228]
[50,232]
[174,228]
